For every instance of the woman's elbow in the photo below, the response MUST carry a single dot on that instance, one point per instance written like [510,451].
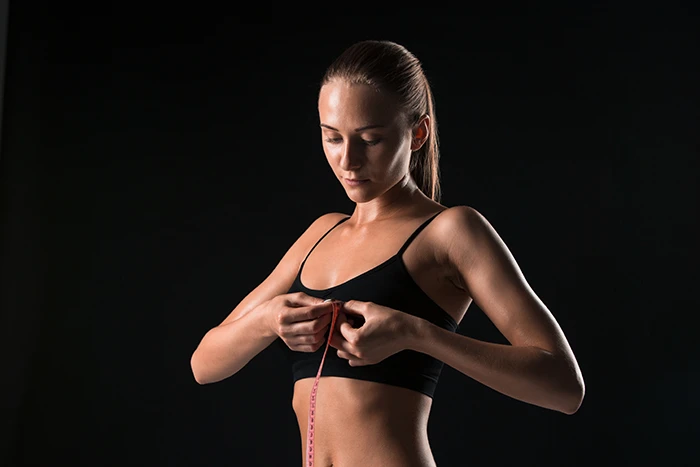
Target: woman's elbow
[198,369]
[576,395]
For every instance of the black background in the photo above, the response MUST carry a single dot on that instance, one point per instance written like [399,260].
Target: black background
[157,164]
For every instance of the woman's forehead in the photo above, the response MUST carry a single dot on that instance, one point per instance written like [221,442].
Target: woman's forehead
[342,104]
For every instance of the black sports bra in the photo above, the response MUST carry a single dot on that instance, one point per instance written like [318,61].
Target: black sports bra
[388,284]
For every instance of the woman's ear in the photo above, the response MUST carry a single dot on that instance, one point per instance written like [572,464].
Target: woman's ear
[421,131]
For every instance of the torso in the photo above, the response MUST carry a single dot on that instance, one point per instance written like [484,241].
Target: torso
[363,422]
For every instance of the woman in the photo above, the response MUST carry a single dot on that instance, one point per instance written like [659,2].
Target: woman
[400,273]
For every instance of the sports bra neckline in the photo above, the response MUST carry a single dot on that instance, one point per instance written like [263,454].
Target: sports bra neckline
[397,255]
[352,279]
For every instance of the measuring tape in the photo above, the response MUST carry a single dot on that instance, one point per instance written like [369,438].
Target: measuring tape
[314,390]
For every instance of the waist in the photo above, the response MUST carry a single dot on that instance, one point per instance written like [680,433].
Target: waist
[365,423]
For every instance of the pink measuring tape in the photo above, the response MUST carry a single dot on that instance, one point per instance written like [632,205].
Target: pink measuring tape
[314,390]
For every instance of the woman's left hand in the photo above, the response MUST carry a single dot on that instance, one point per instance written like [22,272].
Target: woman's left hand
[383,333]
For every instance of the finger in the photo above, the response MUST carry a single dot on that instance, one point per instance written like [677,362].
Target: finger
[313,339]
[322,324]
[340,319]
[307,348]
[355,307]
[321,336]
[348,332]
[308,313]
[339,342]
[309,328]
[338,322]
[298,299]
[345,355]
[355,312]
[352,360]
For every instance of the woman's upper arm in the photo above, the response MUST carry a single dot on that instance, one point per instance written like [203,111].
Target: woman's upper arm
[282,276]
[495,282]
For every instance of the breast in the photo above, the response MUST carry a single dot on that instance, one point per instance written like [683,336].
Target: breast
[390,284]
[392,287]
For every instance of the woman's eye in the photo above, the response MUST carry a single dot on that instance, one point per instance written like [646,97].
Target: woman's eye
[365,141]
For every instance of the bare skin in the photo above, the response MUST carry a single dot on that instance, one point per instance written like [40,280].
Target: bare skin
[458,258]
[387,425]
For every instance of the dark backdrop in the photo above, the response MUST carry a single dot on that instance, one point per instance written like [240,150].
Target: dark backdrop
[157,164]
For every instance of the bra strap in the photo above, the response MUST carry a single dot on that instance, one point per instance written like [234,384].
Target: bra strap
[415,233]
[324,236]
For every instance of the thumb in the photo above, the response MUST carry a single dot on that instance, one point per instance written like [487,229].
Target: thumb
[340,320]
[355,307]
[347,330]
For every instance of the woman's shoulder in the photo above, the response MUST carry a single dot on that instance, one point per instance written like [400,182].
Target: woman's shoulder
[456,223]
[454,217]
[460,232]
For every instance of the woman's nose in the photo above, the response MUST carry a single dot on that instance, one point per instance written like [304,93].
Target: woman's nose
[351,157]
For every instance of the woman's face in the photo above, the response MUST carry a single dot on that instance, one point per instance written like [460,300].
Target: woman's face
[365,137]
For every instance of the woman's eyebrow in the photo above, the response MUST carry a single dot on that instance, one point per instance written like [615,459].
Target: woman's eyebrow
[362,128]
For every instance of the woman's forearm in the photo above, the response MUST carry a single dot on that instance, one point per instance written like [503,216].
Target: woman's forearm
[526,373]
[227,348]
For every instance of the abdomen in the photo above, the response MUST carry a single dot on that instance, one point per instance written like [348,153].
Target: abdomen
[365,423]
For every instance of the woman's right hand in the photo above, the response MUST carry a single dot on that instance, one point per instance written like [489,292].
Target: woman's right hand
[300,320]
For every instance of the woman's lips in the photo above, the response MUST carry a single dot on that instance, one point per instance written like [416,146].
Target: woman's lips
[356,182]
